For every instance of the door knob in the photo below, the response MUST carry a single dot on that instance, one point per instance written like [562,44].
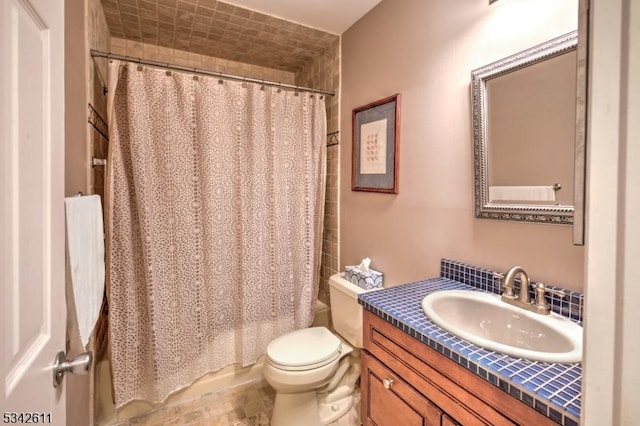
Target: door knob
[387,383]
[79,365]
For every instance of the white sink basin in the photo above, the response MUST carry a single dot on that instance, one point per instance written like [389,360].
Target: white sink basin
[485,320]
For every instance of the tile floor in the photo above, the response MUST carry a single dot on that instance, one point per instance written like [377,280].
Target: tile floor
[245,405]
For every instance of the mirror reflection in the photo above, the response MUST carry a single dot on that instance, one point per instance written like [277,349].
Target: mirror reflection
[524,113]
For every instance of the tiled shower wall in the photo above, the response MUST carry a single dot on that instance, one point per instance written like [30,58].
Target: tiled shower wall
[98,37]
[324,73]
[154,52]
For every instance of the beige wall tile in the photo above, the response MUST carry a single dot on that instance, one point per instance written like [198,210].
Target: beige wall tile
[165,58]
[195,57]
[243,35]
[134,45]
[118,50]
[165,50]
[118,42]
[180,57]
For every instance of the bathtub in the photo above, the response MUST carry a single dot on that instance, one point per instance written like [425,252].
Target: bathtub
[228,377]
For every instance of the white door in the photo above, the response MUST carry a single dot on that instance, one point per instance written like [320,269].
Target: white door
[32,243]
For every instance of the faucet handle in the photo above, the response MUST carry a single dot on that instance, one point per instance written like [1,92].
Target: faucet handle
[541,301]
[559,293]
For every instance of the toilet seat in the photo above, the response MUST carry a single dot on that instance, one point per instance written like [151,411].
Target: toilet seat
[304,349]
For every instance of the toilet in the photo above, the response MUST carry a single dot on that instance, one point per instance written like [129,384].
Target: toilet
[314,371]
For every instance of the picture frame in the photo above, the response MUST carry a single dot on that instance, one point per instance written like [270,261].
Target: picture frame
[376,146]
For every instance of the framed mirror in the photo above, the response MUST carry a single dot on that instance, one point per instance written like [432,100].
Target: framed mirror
[524,134]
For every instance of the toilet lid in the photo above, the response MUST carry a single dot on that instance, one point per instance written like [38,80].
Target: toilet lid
[307,347]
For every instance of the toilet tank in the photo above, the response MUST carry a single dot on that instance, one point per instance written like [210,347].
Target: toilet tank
[346,313]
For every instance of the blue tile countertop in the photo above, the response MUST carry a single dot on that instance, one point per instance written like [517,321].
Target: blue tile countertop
[552,389]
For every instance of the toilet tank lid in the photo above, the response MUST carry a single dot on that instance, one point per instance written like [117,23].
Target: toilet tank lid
[304,347]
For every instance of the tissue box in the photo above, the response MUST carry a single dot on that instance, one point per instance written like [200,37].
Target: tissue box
[364,279]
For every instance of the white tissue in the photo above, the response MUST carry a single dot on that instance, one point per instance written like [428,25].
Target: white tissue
[364,265]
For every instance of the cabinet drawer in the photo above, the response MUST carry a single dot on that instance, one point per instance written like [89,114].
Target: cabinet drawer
[389,401]
[461,394]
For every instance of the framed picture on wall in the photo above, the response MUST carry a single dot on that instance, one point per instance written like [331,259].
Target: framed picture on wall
[376,142]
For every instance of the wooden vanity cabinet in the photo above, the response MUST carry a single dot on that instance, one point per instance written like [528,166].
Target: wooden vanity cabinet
[405,382]
[392,401]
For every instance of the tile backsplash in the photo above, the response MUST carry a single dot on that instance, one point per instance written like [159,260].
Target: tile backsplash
[571,305]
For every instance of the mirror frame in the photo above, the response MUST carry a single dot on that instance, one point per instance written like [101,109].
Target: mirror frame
[558,214]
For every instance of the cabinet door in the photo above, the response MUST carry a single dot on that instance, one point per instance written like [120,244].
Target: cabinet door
[448,421]
[389,401]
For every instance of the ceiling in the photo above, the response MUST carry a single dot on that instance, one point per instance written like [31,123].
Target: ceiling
[333,16]
[224,30]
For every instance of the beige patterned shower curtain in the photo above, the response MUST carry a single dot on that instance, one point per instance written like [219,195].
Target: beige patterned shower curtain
[215,225]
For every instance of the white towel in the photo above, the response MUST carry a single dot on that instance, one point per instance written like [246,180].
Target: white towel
[85,242]
[522,193]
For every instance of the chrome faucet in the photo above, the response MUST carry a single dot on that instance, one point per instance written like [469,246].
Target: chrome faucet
[523,296]
[523,299]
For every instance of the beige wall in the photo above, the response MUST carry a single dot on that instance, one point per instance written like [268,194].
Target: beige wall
[323,72]
[85,27]
[97,36]
[76,147]
[426,50]
[76,170]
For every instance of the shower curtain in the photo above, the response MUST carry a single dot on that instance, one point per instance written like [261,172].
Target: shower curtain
[216,206]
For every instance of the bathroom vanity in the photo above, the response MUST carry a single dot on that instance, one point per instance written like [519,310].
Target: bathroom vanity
[416,373]
[405,382]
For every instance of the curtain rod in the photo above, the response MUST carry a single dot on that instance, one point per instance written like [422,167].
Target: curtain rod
[99,54]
